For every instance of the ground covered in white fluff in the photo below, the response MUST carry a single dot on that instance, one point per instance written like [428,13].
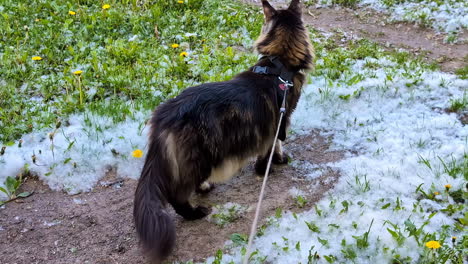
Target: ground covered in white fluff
[449,16]
[400,141]
[75,156]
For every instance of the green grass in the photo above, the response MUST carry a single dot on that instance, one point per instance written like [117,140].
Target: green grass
[397,2]
[463,72]
[459,104]
[119,76]
[347,3]
[338,59]
[227,213]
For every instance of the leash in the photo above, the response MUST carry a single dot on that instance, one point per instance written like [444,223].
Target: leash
[284,86]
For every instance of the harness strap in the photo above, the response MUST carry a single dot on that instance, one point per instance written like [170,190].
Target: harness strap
[279,70]
[285,79]
[284,82]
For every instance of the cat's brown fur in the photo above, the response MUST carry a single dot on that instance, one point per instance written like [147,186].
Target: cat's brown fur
[210,131]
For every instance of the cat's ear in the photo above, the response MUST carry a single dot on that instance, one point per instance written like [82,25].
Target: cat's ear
[268,10]
[295,6]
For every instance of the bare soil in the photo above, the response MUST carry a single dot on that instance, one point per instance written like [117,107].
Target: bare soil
[97,227]
[367,23]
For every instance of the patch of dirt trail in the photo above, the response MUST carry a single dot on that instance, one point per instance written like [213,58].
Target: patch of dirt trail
[97,227]
[370,24]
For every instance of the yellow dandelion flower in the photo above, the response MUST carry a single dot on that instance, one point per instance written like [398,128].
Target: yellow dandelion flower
[78,72]
[436,193]
[433,244]
[180,2]
[454,238]
[137,153]
[175,45]
[36,58]
[37,20]
[72,13]
[106,6]
[448,186]
[183,54]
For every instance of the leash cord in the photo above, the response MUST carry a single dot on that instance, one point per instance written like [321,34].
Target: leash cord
[259,204]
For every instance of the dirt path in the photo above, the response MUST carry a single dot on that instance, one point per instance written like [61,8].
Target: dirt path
[97,227]
[372,25]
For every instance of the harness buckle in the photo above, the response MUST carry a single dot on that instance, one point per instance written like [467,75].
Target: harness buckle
[260,69]
[286,83]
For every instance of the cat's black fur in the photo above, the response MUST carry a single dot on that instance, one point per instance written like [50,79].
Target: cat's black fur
[210,131]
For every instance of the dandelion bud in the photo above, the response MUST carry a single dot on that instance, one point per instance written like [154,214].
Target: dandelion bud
[20,143]
[59,123]
[2,151]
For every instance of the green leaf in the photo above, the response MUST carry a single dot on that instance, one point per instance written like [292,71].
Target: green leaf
[4,191]
[464,220]
[243,251]
[238,239]
[385,206]
[393,233]
[10,183]
[17,184]
[345,207]
[24,194]
[324,242]
[319,212]
[70,145]
[218,257]
[253,254]
[312,227]
[301,201]
[294,215]
[330,258]
[344,97]
[278,212]
[431,215]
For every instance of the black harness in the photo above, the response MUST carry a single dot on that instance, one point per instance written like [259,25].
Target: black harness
[279,70]
[285,81]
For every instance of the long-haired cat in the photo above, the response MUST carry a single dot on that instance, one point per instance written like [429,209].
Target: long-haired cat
[208,132]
